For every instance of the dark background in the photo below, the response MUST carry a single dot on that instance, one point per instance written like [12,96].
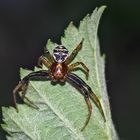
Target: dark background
[25,26]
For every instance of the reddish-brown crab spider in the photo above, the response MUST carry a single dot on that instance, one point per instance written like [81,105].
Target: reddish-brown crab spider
[60,71]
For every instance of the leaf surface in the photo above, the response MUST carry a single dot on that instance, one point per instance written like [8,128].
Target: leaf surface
[62,109]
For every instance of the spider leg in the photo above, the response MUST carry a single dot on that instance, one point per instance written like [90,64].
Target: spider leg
[89,112]
[29,103]
[74,66]
[48,54]
[74,53]
[43,60]
[86,97]
[87,93]
[97,102]
[24,82]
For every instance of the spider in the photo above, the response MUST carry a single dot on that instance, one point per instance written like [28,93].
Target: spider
[60,70]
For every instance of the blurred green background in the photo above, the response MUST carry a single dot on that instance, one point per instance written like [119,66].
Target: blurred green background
[26,25]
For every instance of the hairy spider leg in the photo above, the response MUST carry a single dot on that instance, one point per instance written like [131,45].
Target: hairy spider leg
[75,65]
[22,88]
[97,102]
[87,93]
[48,54]
[76,82]
[24,82]
[43,60]
[29,103]
[74,53]
[89,112]
[47,60]
[92,95]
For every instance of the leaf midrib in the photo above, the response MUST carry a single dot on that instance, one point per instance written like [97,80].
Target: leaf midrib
[60,115]
[95,57]
[96,65]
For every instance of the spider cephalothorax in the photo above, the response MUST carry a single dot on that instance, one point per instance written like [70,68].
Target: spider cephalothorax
[60,70]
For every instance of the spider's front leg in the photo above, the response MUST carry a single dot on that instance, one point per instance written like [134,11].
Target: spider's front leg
[24,82]
[75,65]
[46,60]
[78,84]
[74,53]
[87,93]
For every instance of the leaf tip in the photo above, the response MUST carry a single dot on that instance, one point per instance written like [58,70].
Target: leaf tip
[49,42]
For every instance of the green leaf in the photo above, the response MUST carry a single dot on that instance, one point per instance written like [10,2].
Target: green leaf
[62,109]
